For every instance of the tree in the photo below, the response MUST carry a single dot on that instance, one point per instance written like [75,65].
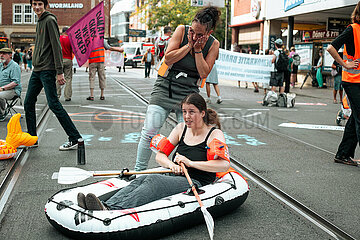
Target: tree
[160,13]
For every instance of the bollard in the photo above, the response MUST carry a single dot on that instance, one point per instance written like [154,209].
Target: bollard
[81,152]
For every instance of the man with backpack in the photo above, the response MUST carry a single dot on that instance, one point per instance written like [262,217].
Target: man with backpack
[162,43]
[281,62]
[295,65]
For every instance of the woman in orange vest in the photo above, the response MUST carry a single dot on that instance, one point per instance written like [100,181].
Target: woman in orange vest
[351,83]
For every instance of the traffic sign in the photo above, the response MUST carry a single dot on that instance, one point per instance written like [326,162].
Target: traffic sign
[204,3]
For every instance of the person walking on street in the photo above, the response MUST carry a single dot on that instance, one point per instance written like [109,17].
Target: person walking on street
[29,56]
[278,79]
[351,83]
[212,78]
[191,53]
[149,61]
[287,73]
[97,64]
[10,79]
[162,43]
[67,65]
[295,66]
[24,60]
[337,80]
[17,57]
[47,71]
[319,65]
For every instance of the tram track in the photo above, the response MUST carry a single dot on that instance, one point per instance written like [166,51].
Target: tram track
[14,171]
[313,217]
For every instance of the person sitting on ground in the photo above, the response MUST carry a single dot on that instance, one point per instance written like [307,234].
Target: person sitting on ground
[200,128]
[10,79]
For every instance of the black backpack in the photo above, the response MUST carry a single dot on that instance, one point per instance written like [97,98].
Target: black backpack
[282,64]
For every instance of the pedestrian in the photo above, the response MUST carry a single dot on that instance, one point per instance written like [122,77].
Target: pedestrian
[29,56]
[287,73]
[351,84]
[295,66]
[201,127]
[280,66]
[17,57]
[337,80]
[319,65]
[10,79]
[97,64]
[149,61]
[24,59]
[161,43]
[191,52]
[48,69]
[67,65]
[266,84]
[212,78]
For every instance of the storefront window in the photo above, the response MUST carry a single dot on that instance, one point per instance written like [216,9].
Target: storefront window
[23,13]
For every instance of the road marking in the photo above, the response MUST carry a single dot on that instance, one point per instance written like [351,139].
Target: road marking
[252,115]
[312,126]
[311,104]
[231,109]
[287,110]
[258,109]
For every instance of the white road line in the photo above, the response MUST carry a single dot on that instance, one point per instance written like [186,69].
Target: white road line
[312,126]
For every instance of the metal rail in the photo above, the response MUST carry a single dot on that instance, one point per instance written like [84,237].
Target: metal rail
[295,205]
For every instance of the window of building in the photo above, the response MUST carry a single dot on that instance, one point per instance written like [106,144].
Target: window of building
[23,14]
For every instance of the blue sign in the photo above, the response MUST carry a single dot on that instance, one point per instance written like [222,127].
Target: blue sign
[289,4]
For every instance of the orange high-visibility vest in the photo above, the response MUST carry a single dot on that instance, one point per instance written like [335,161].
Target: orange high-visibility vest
[97,55]
[352,75]
[345,102]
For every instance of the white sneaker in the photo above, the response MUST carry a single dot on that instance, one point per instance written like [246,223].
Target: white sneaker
[68,146]
[219,100]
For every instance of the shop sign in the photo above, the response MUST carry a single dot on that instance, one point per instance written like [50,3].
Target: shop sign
[290,4]
[338,24]
[319,34]
[203,3]
[137,33]
[66,5]
[255,8]
[27,40]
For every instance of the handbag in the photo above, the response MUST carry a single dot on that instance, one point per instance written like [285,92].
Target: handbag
[334,72]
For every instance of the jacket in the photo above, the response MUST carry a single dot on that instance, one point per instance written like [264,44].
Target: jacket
[47,53]
[352,75]
[144,58]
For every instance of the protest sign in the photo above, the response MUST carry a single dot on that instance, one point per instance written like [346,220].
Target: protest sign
[244,67]
[87,33]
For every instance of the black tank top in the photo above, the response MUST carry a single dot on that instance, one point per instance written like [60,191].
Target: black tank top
[196,153]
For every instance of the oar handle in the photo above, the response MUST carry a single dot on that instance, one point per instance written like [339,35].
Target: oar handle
[131,173]
[191,184]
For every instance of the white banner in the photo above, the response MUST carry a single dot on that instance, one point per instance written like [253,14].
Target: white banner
[244,67]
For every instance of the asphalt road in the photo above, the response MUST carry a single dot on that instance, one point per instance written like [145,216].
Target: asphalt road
[299,161]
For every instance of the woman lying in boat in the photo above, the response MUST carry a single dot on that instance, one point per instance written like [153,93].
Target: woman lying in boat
[201,147]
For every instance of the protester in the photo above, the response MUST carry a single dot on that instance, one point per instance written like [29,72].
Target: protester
[47,70]
[278,79]
[162,43]
[67,65]
[149,61]
[191,53]
[351,83]
[337,80]
[212,78]
[191,137]
[10,79]
[97,64]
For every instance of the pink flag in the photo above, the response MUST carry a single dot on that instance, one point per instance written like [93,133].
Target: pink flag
[87,33]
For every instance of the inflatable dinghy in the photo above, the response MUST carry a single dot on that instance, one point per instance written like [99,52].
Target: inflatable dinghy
[150,221]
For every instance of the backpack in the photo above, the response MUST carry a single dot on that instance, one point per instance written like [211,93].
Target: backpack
[282,64]
[282,100]
[296,59]
[162,45]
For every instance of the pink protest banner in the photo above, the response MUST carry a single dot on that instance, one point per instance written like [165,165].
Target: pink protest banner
[87,33]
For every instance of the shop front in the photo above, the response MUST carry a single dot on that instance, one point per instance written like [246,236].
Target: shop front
[22,40]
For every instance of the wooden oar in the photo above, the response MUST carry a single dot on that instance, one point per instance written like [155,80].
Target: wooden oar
[71,175]
[207,216]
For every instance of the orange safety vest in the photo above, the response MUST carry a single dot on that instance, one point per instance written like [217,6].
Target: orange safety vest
[345,102]
[97,55]
[352,75]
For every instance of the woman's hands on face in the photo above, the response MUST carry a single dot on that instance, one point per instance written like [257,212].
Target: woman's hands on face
[199,43]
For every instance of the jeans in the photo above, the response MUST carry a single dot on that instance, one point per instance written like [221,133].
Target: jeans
[146,189]
[351,135]
[147,69]
[154,119]
[46,80]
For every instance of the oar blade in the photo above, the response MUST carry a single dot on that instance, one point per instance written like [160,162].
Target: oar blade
[71,175]
[209,222]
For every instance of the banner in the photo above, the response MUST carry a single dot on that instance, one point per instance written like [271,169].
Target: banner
[244,67]
[87,33]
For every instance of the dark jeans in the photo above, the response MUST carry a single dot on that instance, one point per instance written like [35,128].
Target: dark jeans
[287,75]
[147,69]
[351,135]
[47,80]
[146,189]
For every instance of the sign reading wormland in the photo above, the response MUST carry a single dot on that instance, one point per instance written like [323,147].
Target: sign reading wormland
[244,67]
[87,33]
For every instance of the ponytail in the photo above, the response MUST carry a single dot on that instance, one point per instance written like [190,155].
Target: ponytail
[212,118]
[208,16]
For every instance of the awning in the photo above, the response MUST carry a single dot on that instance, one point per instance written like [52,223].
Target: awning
[246,23]
[23,35]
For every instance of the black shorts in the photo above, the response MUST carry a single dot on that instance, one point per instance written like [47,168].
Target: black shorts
[277,79]
[295,69]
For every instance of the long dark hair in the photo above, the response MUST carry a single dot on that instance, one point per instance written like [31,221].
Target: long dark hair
[355,16]
[208,16]
[211,117]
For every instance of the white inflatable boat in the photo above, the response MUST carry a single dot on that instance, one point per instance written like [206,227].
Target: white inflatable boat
[150,221]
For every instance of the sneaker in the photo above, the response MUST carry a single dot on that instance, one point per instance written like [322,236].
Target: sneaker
[219,101]
[81,200]
[256,90]
[345,160]
[68,100]
[68,146]
[94,203]
[32,146]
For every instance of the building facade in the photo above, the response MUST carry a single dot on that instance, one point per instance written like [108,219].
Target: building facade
[18,21]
